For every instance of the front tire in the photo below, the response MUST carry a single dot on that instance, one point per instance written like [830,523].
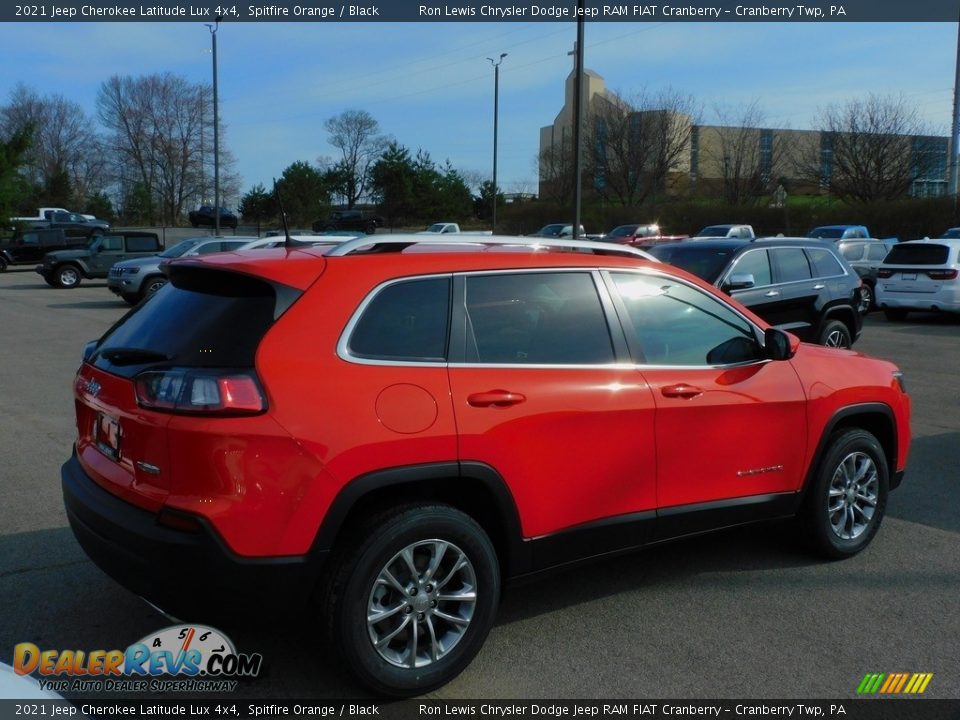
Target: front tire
[835,334]
[151,285]
[847,500]
[411,598]
[67,276]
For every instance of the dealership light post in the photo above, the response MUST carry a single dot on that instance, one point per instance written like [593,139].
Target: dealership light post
[216,130]
[496,108]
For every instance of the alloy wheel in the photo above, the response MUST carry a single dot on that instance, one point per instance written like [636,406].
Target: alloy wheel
[853,495]
[421,604]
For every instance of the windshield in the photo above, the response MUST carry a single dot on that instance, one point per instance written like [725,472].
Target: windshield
[436,227]
[714,231]
[826,232]
[622,231]
[706,263]
[178,249]
[952,233]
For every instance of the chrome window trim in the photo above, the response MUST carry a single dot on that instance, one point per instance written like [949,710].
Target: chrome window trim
[595,272]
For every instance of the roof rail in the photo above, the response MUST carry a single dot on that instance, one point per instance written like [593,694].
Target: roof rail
[396,243]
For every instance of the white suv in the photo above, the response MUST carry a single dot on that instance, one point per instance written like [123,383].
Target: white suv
[920,275]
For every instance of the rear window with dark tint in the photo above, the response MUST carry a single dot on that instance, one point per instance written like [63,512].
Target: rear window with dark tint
[202,318]
[918,254]
[705,262]
[144,243]
[406,321]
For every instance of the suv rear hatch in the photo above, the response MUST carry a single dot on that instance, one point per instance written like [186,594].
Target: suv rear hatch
[917,268]
[189,350]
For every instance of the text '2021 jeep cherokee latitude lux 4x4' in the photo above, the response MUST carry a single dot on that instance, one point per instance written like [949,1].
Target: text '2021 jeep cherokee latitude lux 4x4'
[390,435]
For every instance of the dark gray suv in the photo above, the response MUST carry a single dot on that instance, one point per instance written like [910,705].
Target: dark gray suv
[803,286]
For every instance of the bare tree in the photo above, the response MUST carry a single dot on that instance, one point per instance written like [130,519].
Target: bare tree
[870,150]
[65,144]
[633,145]
[160,136]
[356,134]
[747,158]
[555,168]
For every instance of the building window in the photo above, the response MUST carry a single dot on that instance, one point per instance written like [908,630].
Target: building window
[826,160]
[766,156]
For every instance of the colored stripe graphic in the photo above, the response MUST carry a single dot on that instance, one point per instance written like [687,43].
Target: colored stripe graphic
[894,683]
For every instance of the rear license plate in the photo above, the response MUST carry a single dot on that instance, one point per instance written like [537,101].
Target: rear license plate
[107,436]
[908,276]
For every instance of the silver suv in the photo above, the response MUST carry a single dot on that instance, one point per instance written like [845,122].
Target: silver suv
[135,279]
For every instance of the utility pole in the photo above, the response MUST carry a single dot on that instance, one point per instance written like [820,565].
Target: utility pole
[578,121]
[216,130]
[955,132]
[496,113]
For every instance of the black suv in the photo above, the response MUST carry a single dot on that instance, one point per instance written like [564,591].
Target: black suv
[349,220]
[803,286]
[204,215]
[30,246]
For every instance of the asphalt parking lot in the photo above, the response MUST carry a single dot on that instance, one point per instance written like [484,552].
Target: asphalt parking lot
[746,613]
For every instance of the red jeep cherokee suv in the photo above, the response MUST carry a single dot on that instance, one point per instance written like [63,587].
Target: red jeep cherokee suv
[389,430]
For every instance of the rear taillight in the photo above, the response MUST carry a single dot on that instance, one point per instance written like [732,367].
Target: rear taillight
[942,274]
[200,390]
[884,273]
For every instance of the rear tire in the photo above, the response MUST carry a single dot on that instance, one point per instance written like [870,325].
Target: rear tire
[431,575]
[835,334]
[847,499]
[867,300]
[895,314]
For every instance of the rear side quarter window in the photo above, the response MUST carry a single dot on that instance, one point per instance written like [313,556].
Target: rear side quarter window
[405,321]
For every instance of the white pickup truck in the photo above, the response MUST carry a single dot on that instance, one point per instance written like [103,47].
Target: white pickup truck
[449,228]
[45,213]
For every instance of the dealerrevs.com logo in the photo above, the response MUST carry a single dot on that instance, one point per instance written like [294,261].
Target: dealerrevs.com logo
[184,658]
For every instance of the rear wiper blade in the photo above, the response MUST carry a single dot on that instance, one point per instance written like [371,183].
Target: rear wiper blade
[132,356]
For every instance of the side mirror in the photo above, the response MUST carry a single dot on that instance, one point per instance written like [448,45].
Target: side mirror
[739,281]
[780,345]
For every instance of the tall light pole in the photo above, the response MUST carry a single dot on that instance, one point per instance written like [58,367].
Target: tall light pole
[496,108]
[216,130]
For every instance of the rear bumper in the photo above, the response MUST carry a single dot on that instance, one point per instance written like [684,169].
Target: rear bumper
[180,571]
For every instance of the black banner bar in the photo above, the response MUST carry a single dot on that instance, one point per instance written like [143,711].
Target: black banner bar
[848,709]
[479,11]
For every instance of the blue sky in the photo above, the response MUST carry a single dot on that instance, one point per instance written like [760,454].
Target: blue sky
[430,86]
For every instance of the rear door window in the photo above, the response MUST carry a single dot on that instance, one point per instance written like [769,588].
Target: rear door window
[542,318]
[140,243]
[876,252]
[792,264]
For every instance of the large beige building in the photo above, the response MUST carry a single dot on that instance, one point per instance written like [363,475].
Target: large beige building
[714,158]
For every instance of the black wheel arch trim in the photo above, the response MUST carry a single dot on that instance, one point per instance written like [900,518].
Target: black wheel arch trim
[519,557]
[896,475]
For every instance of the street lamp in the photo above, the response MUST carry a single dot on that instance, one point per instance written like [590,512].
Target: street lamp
[496,102]
[216,129]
